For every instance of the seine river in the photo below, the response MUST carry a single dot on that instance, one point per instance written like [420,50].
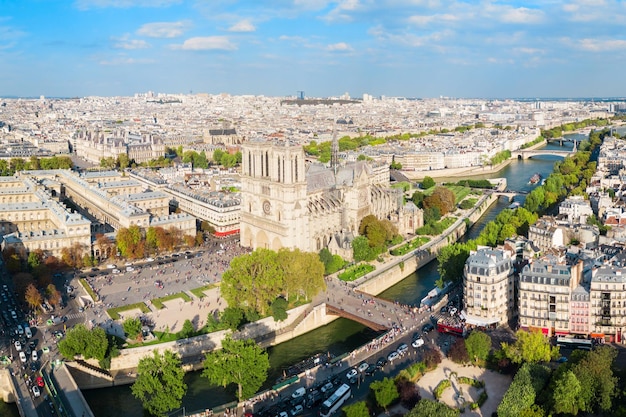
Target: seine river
[338,337]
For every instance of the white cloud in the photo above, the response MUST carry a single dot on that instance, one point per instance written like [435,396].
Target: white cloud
[126,43]
[341,12]
[599,45]
[339,47]
[422,20]
[529,51]
[242,26]
[163,29]
[523,15]
[207,43]
[123,60]
[122,4]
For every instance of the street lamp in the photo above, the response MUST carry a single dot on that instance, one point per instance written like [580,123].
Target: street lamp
[176,411]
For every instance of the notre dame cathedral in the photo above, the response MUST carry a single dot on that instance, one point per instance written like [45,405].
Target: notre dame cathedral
[290,203]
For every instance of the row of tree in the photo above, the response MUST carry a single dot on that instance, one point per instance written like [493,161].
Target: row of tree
[160,382]
[570,176]
[13,165]
[134,242]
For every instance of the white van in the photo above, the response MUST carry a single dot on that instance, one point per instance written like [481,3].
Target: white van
[28,332]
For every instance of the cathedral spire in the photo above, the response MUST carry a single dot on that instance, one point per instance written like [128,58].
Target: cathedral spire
[334,151]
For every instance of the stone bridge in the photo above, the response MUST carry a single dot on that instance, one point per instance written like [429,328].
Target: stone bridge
[376,313]
[539,152]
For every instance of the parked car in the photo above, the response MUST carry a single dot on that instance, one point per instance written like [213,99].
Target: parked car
[36,391]
[34,355]
[18,345]
[393,355]
[402,349]
[363,366]
[22,357]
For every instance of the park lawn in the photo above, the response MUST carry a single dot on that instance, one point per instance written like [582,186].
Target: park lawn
[356,272]
[158,302]
[409,246]
[199,292]
[460,191]
[114,312]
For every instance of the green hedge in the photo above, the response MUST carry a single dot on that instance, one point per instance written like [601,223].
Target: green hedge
[441,387]
[199,292]
[356,272]
[409,246]
[114,312]
[158,302]
[436,228]
[89,290]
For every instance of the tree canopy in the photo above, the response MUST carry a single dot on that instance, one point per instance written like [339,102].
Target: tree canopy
[478,345]
[441,198]
[431,408]
[255,280]
[530,347]
[385,392]
[240,362]
[81,341]
[159,384]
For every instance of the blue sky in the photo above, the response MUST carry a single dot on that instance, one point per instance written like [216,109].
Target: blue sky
[412,48]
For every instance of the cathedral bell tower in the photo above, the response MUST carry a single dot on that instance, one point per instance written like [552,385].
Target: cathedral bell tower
[273,194]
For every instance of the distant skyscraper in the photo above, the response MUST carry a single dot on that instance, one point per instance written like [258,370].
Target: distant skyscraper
[300,95]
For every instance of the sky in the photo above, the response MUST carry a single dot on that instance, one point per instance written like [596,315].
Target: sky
[408,48]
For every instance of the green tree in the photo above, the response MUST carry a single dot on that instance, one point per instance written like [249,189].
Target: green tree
[231,317]
[431,408]
[531,347]
[478,345]
[279,309]
[358,409]
[34,260]
[566,394]
[187,330]
[441,198]
[385,392]
[132,327]
[253,280]
[594,371]
[361,249]
[81,341]
[159,384]
[123,161]
[428,182]
[240,362]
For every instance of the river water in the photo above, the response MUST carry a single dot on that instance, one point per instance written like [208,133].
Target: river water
[340,336]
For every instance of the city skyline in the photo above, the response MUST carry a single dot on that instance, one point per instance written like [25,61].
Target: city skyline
[408,48]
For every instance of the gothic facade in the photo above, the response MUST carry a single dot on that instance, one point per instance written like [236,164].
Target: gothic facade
[287,203]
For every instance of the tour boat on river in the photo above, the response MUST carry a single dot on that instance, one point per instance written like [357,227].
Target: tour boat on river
[535,179]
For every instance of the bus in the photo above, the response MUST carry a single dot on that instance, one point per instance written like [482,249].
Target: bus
[573,343]
[335,401]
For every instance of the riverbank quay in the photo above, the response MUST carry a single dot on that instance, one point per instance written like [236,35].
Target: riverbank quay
[468,171]
[267,332]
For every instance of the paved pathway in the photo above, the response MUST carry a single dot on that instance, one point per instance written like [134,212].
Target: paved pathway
[496,385]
